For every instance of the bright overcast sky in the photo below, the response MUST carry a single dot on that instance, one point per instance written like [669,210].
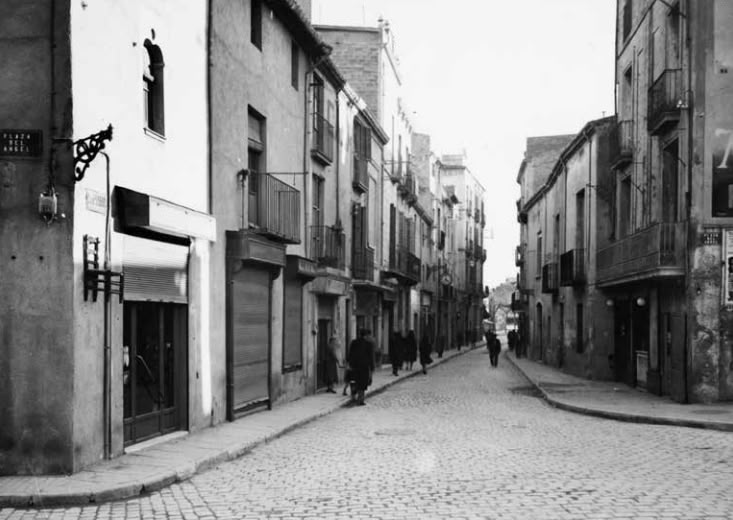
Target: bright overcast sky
[483,75]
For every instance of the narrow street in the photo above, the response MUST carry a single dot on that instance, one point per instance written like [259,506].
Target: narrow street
[465,441]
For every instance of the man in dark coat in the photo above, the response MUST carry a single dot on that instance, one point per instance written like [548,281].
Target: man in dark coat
[425,349]
[395,352]
[361,363]
[494,349]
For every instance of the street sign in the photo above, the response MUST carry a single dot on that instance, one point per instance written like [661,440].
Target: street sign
[21,143]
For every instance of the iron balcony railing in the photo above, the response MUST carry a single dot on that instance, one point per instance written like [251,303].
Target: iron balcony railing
[274,208]
[328,246]
[572,268]
[408,185]
[665,97]
[360,180]
[549,278]
[624,143]
[363,263]
[657,251]
[519,256]
[323,137]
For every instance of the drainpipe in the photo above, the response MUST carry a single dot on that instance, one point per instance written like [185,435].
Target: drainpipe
[690,137]
[107,383]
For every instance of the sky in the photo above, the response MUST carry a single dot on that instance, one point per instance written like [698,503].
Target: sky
[483,75]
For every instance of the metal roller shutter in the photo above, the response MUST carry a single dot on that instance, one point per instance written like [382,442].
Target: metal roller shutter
[292,326]
[155,271]
[250,337]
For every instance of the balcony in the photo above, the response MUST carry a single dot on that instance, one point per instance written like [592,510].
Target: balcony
[572,268]
[477,215]
[403,265]
[328,246]
[519,256]
[323,139]
[362,267]
[408,187]
[549,278]
[665,100]
[274,208]
[656,252]
[624,152]
[360,181]
[483,255]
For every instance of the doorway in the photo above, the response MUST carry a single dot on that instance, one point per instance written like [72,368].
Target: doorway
[622,343]
[155,368]
[324,333]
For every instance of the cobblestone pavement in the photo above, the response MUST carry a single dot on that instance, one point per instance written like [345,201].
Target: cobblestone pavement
[464,442]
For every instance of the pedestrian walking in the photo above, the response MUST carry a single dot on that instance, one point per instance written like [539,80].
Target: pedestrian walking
[333,361]
[425,349]
[494,350]
[410,349]
[440,347]
[395,352]
[511,339]
[361,364]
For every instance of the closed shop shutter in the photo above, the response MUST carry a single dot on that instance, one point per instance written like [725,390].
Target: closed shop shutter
[293,324]
[154,271]
[250,337]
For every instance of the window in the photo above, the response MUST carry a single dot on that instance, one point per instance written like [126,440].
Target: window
[317,201]
[153,88]
[556,238]
[255,163]
[580,220]
[294,65]
[256,23]
[628,6]
[362,156]
[538,273]
[624,210]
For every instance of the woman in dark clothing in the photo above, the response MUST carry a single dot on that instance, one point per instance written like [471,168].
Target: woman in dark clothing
[361,364]
[425,349]
[410,349]
[395,352]
[332,363]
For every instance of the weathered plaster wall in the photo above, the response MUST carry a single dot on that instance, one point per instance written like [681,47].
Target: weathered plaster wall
[36,338]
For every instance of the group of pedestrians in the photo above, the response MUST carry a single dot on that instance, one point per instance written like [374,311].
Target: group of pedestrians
[403,352]
[360,360]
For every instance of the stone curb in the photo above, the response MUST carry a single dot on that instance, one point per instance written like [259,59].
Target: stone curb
[620,416]
[181,472]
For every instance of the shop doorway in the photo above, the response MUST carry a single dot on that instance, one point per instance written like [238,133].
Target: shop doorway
[155,368]
[622,343]
[675,355]
[324,333]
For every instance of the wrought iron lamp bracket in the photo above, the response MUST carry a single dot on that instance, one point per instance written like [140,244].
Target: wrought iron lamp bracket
[86,149]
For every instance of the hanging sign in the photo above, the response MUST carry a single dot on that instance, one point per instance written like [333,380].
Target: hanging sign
[20,143]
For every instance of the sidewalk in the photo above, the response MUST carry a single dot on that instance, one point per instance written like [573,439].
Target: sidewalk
[614,400]
[163,464]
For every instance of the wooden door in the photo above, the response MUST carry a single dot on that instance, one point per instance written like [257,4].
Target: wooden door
[678,358]
[622,342]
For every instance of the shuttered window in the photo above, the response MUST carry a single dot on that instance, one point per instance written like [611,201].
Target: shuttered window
[250,342]
[293,324]
[155,271]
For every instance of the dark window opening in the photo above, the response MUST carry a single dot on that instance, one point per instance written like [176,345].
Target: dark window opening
[256,23]
[153,88]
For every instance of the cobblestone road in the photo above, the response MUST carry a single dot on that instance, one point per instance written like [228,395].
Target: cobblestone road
[464,442]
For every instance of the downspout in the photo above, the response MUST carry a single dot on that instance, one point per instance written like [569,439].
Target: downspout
[107,383]
[690,137]
[210,201]
[338,158]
